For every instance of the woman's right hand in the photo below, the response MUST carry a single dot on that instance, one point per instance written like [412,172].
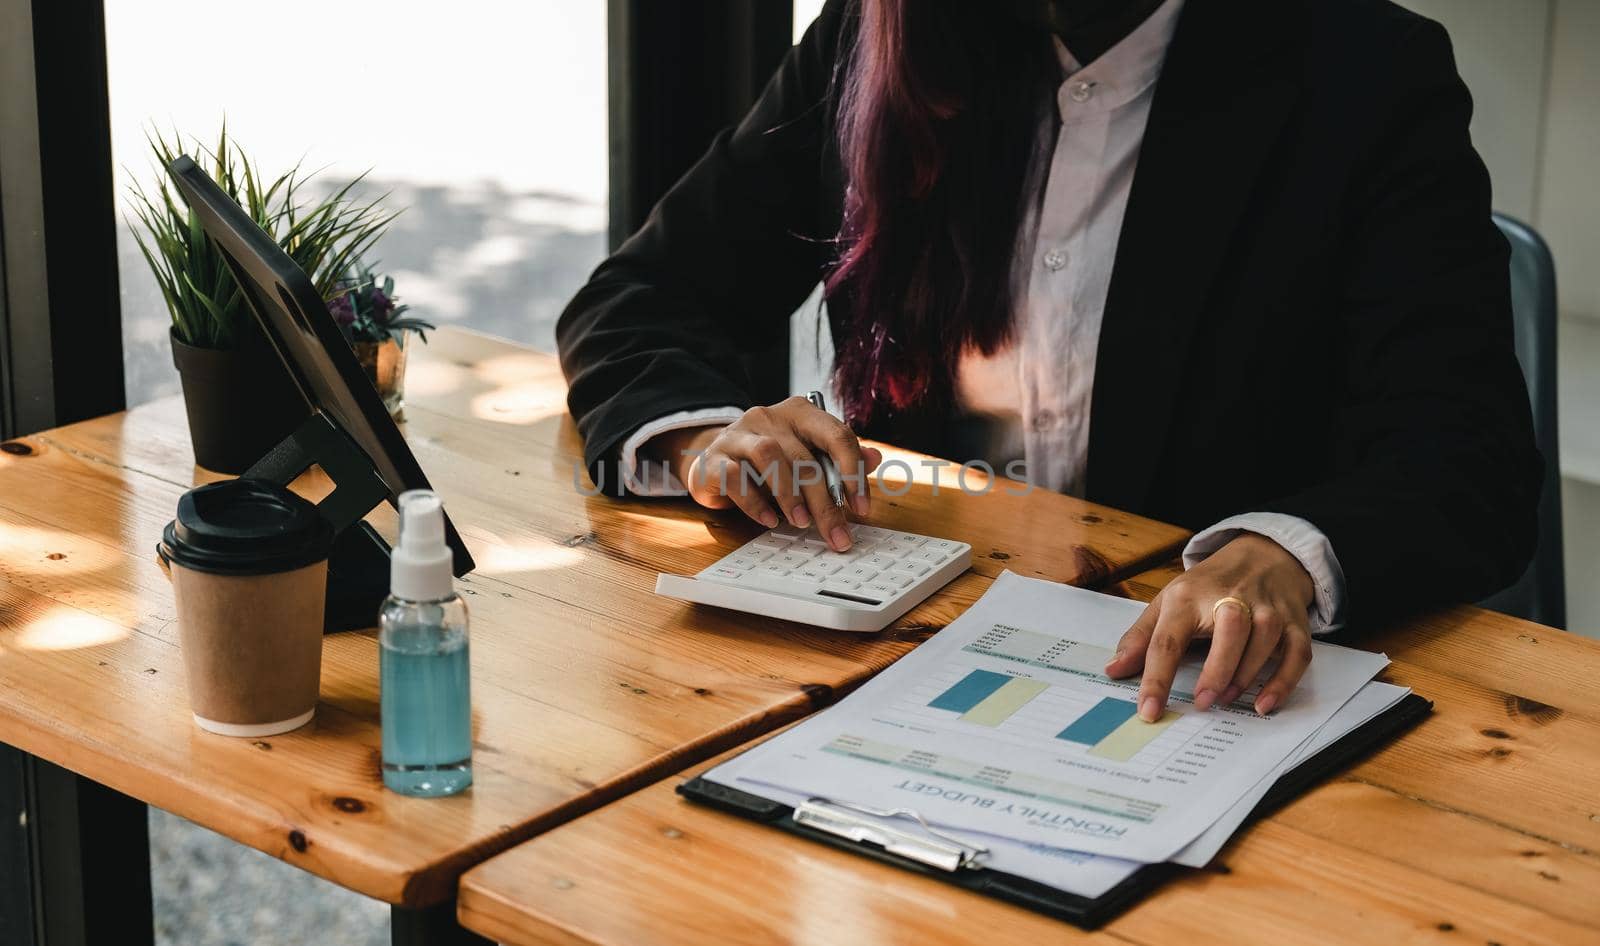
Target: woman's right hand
[764,464]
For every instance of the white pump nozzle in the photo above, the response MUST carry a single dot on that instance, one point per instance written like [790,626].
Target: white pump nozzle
[419,568]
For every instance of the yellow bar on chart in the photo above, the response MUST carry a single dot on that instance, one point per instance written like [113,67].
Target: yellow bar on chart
[998,706]
[1126,740]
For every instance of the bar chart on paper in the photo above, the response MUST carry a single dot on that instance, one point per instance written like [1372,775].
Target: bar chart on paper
[1025,710]
[1112,730]
[1028,711]
[988,698]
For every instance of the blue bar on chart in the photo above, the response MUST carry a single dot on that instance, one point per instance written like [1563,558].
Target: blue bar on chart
[1098,723]
[972,689]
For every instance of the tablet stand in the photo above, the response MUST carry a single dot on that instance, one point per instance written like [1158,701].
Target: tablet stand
[358,565]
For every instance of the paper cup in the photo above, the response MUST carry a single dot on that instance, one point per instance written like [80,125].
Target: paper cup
[249,564]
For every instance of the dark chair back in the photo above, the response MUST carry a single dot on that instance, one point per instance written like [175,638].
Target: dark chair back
[1541,593]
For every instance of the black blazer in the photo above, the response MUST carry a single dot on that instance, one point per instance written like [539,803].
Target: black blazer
[1309,311]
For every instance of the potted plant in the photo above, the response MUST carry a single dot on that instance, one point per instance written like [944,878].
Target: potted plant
[238,396]
[370,316]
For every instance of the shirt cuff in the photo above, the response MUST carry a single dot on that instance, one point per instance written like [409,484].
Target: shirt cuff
[644,478]
[1299,538]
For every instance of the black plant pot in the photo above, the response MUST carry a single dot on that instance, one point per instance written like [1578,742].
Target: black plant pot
[240,402]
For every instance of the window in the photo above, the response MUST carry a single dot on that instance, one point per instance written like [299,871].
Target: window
[804,12]
[485,121]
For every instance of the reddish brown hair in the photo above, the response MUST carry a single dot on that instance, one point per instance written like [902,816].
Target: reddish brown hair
[938,119]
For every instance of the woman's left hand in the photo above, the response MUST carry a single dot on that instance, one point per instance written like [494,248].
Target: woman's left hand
[1277,594]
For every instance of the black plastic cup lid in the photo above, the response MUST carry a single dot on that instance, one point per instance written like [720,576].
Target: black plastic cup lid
[245,527]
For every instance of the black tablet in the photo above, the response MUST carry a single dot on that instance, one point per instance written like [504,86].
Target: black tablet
[299,326]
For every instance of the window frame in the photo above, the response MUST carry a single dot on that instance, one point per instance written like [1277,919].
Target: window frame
[60,315]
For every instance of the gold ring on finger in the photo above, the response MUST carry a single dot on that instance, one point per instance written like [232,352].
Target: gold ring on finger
[1240,603]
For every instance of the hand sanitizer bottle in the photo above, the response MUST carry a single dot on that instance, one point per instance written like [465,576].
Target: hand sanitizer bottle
[425,694]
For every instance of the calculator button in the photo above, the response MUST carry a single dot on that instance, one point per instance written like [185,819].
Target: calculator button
[723,571]
[804,577]
[911,567]
[894,549]
[790,559]
[771,542]
[869,534]
[861,572]
[836,559]
[879,562]
[811,571]
[840,585]
[896,579]
[741,562]
[931,555]
[907,538]
[824,568]
[770,570]
[942,545]
[878,588]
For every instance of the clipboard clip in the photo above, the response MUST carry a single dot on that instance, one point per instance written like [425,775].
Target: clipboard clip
[933,848]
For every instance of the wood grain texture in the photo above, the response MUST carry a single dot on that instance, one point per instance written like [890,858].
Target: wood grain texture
[1480,826]
[586,685]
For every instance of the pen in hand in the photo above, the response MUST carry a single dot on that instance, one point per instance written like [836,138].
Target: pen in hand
[830,472]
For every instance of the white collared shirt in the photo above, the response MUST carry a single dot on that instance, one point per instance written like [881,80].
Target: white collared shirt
[1034,396]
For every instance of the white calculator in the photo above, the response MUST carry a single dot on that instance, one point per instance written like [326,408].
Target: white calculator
[792,574]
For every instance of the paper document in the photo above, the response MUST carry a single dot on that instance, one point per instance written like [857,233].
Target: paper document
[1003,723]
[1087,875]
[1091,875]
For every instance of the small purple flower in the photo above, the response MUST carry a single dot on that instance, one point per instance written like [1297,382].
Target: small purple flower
[365,309]
[342,309]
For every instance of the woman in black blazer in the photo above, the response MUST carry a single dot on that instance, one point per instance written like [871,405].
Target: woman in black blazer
[1236,271]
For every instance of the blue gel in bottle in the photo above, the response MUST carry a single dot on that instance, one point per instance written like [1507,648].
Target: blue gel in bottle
[424,677]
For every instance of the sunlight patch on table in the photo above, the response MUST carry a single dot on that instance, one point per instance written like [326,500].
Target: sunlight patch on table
[512,557]
[523,403]
[29,550]
[64,628]
[433,378]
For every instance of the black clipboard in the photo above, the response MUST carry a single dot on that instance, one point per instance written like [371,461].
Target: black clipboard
[1084,912]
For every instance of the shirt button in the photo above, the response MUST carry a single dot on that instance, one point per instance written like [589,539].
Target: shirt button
[1045,420]
[1055,259]
[1083,92]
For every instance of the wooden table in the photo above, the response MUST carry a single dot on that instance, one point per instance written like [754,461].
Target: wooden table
[587,686]
[1480,826]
